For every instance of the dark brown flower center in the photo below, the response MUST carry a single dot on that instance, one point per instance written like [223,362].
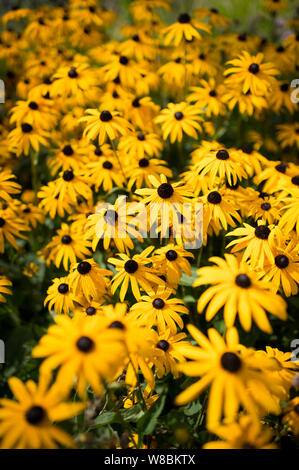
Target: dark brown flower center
[63,288]
[84,267]
[281,261]
[165,190]
[131,266]
[254,68]
[66,239]
[158,303]
[242,280]
[178,115]
[67,150]
[184,18]
[117,324]
[68,175]
[85,344]
[90,311]
[35,415]
[222,154]
[262,232]
[214,197]
[231,362]
[171,255]
[163,344]
[266,206]
[105,116]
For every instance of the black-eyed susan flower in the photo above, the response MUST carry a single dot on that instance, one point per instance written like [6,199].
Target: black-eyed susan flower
[133,271]
[173,260]
[7,186]
[237,288]
[288,135]
[208,96]
[138,341]
[257,242]
[140,170]
[229,367]
[27,422]
[159,309]
[223,163]
[140,145]
[10,229]
[88,279]
[167,355]
[105,173]
[112,224]
[104,124]
[243,434]
[178,119]
[81,350]
[5,285]
[60,296]
[284,271]
[66,247]
[24,137]
[185,27]
[252,72]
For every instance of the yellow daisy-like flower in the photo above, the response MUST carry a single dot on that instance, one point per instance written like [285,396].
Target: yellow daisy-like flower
[103,124]
[66,247]
[172,260]
[185,28]
[208,96]
[11,226]
[257,242]
[140,145]
[140,171]
[4,287]
[27,423]
[111,223]
[88,279]
[179,118]
[243,434]
[8,187]
[252,72]
[229,367]
[25,136]
[227,164]
[237,288]
[284,271]
[165,198]
[60,296]
[167,355]
[158,309]
[82,350]
[135,272]
[288,135]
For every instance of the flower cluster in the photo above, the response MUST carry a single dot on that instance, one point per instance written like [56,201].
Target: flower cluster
[166,115]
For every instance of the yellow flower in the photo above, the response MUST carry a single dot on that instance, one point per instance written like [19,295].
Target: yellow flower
[82,350]
[103,124]
[185,28]
[229,367]
[28,422]
[252,72]
[135,272]
[239,291]
[4,287]
[243,434]
[88,279]
[158,309]
[179,118]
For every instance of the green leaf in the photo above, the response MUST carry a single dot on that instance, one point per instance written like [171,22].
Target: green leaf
[186,280]
[146,425]
[132,414]
[104,419]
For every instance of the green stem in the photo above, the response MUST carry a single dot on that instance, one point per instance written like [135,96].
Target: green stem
[34,179]
[119,162]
